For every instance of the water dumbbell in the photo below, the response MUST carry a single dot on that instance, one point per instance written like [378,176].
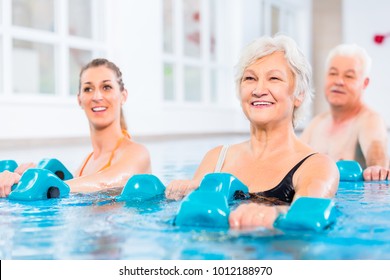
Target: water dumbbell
[205,208]
[208,206]
[141,187]
[39,184]
[52,164]
[308,213]
[8,164]
[350,171]
[55,166]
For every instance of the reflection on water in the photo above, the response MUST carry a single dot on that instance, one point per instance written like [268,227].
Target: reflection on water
[95,226]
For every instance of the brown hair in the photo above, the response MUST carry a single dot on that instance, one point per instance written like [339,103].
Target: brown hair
[110,65]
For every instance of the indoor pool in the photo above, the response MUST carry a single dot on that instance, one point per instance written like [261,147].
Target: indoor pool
[94,226]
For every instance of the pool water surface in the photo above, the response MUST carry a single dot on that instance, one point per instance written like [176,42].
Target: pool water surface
[95,226]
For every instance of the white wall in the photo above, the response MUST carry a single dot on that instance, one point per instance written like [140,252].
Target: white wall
[362,20]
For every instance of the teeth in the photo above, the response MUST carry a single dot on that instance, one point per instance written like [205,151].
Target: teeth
[98,109]
[256,103]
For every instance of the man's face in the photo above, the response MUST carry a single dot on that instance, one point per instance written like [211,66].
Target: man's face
[345,81]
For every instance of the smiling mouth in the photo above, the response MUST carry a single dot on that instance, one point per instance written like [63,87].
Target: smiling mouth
[261,103]
[99,109]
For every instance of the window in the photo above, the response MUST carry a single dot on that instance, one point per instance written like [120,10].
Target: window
[44,43]
[279,17]
[37,14]
[193,66]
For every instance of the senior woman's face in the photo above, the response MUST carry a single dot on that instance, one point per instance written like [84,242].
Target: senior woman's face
[266,90]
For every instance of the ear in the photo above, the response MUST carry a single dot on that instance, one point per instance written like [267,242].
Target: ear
[366,82]
[298,100]
[79,101]
[124,95]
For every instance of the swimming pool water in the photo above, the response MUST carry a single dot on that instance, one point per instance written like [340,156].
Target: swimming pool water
[94,226]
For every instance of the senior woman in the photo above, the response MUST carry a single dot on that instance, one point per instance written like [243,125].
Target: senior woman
[273,83]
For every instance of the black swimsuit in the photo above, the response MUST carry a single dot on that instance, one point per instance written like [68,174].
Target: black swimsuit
[284,191]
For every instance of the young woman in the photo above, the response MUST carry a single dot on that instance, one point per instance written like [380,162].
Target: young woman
[115,157]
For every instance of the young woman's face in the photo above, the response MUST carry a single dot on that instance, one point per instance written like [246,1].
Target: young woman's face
[100,96]
[267,90]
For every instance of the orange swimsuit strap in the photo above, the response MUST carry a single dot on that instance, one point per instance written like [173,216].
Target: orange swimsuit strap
[108,164]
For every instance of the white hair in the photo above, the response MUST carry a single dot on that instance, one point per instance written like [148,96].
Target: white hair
[351,50]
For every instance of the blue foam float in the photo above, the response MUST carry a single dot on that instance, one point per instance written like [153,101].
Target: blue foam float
[141,187]
[52,164]
[9,165]
[350,171]
[208,205]
[39,184]
[55,166]
[205,208]
[308,213]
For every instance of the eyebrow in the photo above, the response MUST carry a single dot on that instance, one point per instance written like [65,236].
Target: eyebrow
[348,70]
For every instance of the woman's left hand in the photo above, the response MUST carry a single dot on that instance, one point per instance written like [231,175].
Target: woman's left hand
[253,215]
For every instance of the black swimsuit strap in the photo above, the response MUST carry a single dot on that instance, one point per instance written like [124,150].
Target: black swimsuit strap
[284,191]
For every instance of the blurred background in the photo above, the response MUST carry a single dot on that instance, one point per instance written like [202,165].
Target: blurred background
[177,59]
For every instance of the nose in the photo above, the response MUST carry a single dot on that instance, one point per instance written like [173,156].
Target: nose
[339,80]
[97,95]
[259,89]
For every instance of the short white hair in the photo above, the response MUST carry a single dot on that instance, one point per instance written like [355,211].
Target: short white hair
[351,50]
[301,68]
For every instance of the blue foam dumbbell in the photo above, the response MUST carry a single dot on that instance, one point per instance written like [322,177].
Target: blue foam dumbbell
[203,209]
[350,171]
[55,166]
[141,187]
[308,213]
[39,184]
[224,183]
[208,205]
[9,165]
[207,208]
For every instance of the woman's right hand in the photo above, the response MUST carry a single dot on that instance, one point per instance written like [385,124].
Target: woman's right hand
[178,189]
[7,180]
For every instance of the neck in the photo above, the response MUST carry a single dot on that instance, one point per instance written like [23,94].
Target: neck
[265,142]
[340,115]
[105,140]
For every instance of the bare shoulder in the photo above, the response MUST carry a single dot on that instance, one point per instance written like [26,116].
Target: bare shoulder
[318,177]
[320,159]
[213,153]
[319,165]
[369,115]
[135,152]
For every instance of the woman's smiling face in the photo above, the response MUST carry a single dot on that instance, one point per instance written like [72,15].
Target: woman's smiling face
[100,96]
[267,90]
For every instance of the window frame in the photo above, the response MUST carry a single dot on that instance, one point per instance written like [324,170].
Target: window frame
[180,61]
[62,42]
